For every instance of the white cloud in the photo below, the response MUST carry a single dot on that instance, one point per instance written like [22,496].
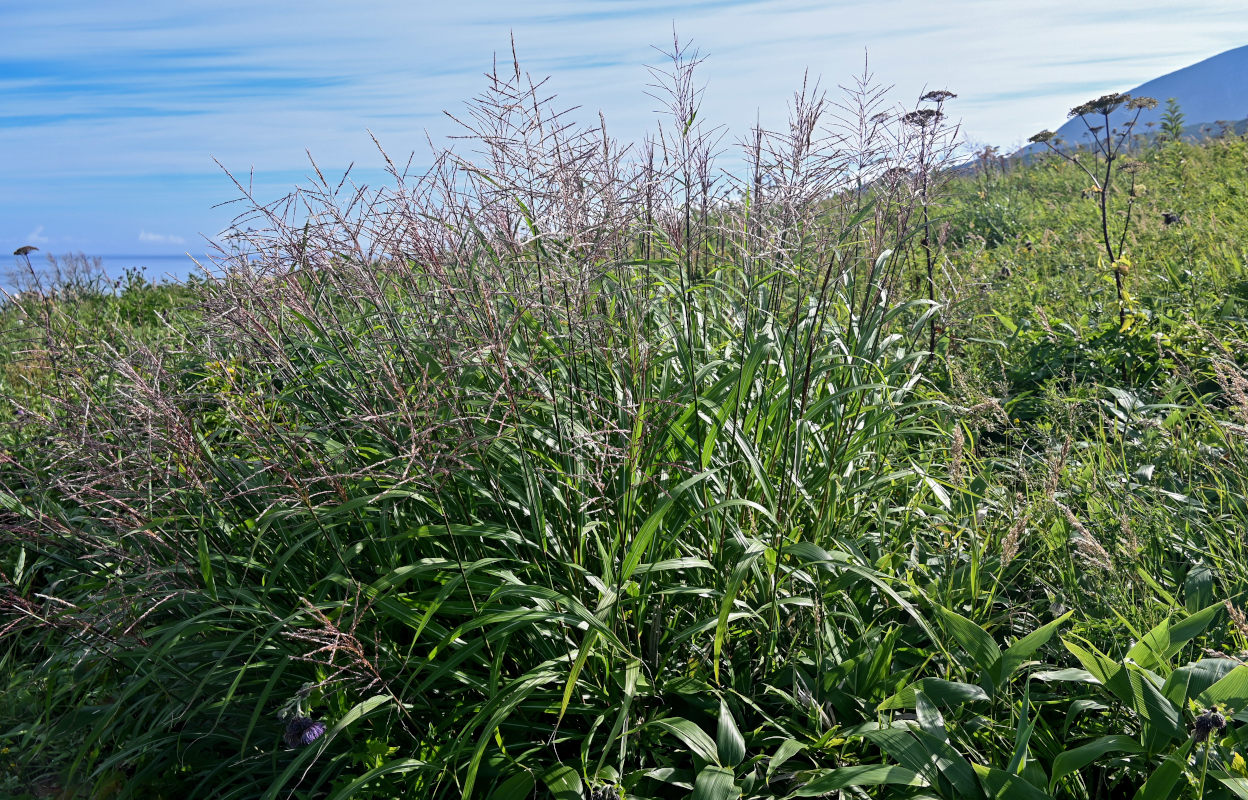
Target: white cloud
[36,236]
[160,238]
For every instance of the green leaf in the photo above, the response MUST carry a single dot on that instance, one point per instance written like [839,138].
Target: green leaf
[998,783]
[1162,784]
[1025,647]
[362,710]
[1022,735]
[1231,690]
[693,737]
[632,670]
[564,783]
[946,693]
[1237,784]
[401,765]
[1192,679]
[978,644]
[828,781]
[730,594]
[715,783]
[1159,645]
[1198,588]
[728,741]
[787,749]
[587,646]
[1077,758]
[1100,666]
[1147,700]
[205,564]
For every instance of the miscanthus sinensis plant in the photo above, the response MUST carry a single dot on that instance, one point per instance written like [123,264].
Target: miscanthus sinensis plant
[561,464]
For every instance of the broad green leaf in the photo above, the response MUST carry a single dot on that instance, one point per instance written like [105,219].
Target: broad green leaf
[1102,667]
[564,783]
[1198,588]
[998,783]
[787,749]
[1026,647]
[517,787]
[1072,674]
[728,741]
[1163,784]
[978,644]
[1147,700]
[1077,758]
[1237,784]
[693,737]
[1159,645]
[715,783]
[943,692]
[828,781]
[1192,679]
[1231,690]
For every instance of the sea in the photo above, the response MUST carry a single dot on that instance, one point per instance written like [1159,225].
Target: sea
[155,268]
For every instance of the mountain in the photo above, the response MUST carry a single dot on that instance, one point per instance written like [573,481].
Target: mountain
[1211,90]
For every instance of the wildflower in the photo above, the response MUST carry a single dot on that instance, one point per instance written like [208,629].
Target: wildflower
[923,117]
[1105,104]
[302,731]
[1042,137]
[1209,722]
[938,96]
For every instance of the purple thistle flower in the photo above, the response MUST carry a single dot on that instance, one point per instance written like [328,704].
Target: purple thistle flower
[302,731]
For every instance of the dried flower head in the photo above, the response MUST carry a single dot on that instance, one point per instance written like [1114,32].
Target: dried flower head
[1105,104]
[25,250]
[302,731]
[939,96]
[1042,137]
[1212,721]
[923,117]
[1138,103]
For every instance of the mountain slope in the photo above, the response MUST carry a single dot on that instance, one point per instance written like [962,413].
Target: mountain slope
[1208,91]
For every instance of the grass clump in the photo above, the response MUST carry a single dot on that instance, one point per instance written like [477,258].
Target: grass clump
[571,469]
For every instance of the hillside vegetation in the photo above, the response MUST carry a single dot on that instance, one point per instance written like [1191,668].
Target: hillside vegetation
[573,471]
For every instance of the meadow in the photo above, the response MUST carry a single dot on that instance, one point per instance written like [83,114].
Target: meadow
[568,469]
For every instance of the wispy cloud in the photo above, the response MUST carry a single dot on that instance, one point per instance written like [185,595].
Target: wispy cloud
[160,238]
[117,109]
[36,236]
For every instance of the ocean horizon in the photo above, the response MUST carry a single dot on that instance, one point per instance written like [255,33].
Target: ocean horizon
[155,267]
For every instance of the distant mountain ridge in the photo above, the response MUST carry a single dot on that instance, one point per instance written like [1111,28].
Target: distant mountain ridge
[1209,91]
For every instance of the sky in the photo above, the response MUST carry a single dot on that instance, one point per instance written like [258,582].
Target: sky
[114,115]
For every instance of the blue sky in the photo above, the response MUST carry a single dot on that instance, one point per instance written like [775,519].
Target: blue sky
[113,112]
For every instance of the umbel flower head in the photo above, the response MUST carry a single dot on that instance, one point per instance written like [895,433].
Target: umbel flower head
[1209,722]
[302,731]
[923,117]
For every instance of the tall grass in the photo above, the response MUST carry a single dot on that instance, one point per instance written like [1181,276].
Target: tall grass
[521,471]
[566,468]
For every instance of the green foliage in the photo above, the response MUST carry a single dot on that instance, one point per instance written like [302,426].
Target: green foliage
[1172,121]
[533,502]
